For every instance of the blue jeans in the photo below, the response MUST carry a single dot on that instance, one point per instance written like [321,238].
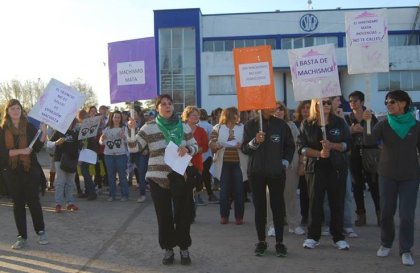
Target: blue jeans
[89,185]
[64,186]
[141,162]
[117,164]
[231,182]
[405,192]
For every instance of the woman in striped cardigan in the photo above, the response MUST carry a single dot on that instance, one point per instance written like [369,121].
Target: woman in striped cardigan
[174,223]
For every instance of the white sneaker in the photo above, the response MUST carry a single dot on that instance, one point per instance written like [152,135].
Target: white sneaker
[20,243]
[383,251]
[310,244]
[299,231]
[42,238]
[271,232]
[349,232]
[141,199]
[342,245]
[326,231]
[407,259]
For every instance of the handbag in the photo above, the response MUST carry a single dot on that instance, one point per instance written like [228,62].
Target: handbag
[194,178]
[68,163]
[370,159]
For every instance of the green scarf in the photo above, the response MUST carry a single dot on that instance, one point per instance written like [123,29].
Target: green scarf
[171,128]
[401,124]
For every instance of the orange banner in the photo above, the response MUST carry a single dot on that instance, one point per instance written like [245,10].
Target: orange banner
[254,78]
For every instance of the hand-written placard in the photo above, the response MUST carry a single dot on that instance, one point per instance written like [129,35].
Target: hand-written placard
[254,74]
[89,127]
[131,73]
[58,105]
[367,41]
[314,72]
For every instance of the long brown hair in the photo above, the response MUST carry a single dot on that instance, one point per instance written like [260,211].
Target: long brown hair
[298,113]
[230,114]
[111,121]
[7,121]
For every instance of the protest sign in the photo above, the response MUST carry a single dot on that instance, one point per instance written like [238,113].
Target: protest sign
[254,78]
[132,70]
[89,127]
[58,105]
[367,41]
[314,72]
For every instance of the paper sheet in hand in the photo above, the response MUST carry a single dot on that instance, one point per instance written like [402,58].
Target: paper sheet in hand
[88,156]
[230,144]
[172,159]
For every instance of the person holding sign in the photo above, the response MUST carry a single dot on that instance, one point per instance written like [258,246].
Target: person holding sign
[360,174]
[398,171]
[115,141]
[21,169]
[270,153]
[325,170]
[171,195]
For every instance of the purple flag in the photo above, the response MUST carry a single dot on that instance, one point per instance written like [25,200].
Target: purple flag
[132,70]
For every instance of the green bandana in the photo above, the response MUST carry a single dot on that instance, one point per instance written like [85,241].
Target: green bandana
[171,128]
[401,124]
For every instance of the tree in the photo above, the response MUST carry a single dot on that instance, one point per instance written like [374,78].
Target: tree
[86,89]
[27,93]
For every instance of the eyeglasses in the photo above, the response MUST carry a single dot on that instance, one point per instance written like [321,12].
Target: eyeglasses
[279,109]
[325,102]
[390,101]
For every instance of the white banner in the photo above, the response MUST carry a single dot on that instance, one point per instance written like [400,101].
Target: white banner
[58,105]
[314,72]
[254,74]
[367,41]
[89,127]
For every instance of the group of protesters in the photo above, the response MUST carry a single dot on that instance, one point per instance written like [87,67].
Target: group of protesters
[326,154]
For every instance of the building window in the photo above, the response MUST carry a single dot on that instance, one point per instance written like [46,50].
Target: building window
[229,45]
[222,85]
[299,42]
[404,80]
[403,39]
[177,65]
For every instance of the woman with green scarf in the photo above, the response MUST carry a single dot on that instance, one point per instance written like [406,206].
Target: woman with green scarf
[398,171]
[173,206]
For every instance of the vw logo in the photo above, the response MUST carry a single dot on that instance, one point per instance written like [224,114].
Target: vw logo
[308,22]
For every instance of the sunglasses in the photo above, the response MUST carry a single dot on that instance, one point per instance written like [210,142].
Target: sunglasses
[390,101]
[325,102]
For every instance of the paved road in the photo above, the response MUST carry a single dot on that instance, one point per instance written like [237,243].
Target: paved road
[122,237]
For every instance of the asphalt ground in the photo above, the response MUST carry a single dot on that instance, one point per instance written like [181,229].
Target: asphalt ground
[110,237]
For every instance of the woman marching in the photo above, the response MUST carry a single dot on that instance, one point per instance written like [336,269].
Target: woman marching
[326,170]
[398,171]
[21,170]
[172,200]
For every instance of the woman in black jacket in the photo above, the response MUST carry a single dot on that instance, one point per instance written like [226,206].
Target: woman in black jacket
[326,170]
[21,169]
[270,152]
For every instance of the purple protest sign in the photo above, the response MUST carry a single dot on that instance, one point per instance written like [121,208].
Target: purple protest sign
[132,70]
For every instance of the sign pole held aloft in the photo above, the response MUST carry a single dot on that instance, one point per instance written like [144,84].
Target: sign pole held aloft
[322,117]
[367,103]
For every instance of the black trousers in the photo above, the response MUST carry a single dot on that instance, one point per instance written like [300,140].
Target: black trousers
[303,197]
[276,188]
[333,183]
[360,176]
[24,189]
[173,221]
[207,176]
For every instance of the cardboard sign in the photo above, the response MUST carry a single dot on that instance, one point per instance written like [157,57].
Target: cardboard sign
[367,41]
[314,72]
[132,70]
[89,127]
[254,78]
[58,105]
